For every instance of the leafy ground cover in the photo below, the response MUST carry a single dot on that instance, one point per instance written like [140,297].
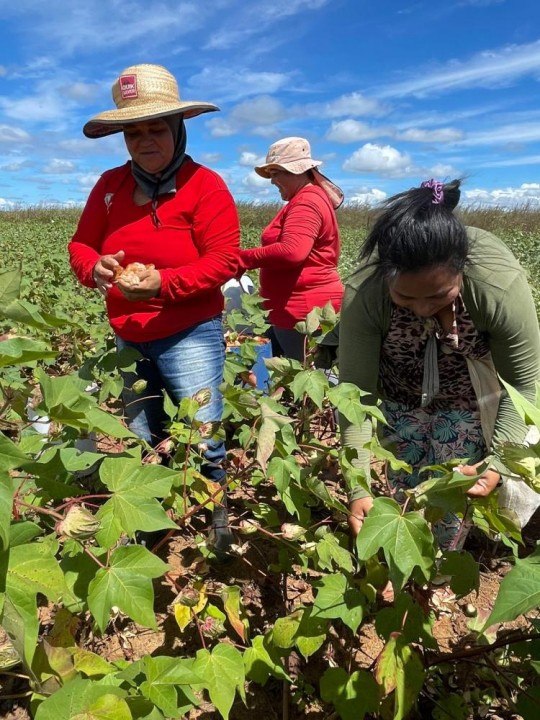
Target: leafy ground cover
[295,625]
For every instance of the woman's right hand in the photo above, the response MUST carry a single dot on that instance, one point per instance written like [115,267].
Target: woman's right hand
[103,271]
[358,510]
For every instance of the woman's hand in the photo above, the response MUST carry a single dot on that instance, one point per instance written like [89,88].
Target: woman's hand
[485,484]
[148,287]
[359,509]
[103,272]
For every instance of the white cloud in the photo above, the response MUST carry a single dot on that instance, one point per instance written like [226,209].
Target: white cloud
[253,19]
[233,84]
[440,171]
[59,167]
[353,105]
[210,158]
[10,134]
[16,166]
[91,26]
[346,131]
[367,196]
[257,115]
[383,159]
[87,182]
[440,135]
[80,92]
[6,204]
[491,68]
[250,159]
[520,132]
[512,162]
[256,182]
[510,197]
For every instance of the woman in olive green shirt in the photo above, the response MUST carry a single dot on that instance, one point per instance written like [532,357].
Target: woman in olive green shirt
[431,301]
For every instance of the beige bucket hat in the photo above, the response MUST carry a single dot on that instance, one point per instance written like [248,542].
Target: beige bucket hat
[143,92]
[294,155]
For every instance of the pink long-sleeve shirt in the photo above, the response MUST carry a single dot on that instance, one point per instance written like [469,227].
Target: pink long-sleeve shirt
[195,247]
[298,258]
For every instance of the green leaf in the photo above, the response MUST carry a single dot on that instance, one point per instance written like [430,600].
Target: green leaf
[331,555]
[464,572]
[22,351]
[89,663]
[318,488]
[280,471]
[451,706]
[285,628]
[261,661]
[223,673]
[83,696]
[524,461]
[446,491]
[528,412]
[399,670]
[163,675]
[10,456]
[66,401]
[6,507]
[32,569]
[10,286]
[406,540]
[126,584]
[133,505]
[21,311]
[311,633]
[23,531]
[353,696]
[528,703]
[106,707]
[232,604]
[347,398]
[408,619]
[338,598]
[519,592]
[312,383]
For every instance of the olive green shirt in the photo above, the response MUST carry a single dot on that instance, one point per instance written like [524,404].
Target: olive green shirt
[498,298]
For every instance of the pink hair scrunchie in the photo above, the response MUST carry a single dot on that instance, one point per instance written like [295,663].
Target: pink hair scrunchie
[437,189]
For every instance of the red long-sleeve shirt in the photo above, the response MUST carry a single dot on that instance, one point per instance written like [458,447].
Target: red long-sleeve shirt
[195,247]
[298,258]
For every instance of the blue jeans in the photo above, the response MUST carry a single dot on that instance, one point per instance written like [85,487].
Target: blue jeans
[181,364]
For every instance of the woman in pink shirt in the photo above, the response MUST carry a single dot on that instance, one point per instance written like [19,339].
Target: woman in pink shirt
[300,247]
[178,220]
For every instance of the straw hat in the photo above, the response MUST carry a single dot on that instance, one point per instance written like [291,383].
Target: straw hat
[292,154]
[143,92]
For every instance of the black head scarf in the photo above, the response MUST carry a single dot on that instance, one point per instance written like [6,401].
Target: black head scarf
[156,185]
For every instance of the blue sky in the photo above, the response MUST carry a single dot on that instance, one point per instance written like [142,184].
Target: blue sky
[388,93]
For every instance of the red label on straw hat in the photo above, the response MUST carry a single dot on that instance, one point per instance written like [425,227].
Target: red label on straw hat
[128,86]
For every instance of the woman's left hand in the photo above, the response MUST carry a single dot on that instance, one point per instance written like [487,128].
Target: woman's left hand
[485,484]
[148,287]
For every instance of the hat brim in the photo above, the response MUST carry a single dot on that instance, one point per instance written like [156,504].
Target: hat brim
[113,121]
[296,168]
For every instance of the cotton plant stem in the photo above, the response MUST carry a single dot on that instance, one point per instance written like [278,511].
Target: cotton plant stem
[479,651]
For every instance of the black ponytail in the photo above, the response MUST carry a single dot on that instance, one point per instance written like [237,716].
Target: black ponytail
[413,232]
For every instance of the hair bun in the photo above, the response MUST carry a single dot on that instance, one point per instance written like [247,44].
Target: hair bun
[452,194]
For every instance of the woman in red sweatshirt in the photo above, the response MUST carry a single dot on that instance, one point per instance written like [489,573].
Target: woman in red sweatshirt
[300,248]
[179,221]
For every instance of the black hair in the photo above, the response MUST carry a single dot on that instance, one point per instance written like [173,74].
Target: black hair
[413,233]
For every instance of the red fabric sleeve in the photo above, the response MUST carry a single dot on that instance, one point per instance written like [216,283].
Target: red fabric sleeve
[85,246]
[301,227]
[216,234]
